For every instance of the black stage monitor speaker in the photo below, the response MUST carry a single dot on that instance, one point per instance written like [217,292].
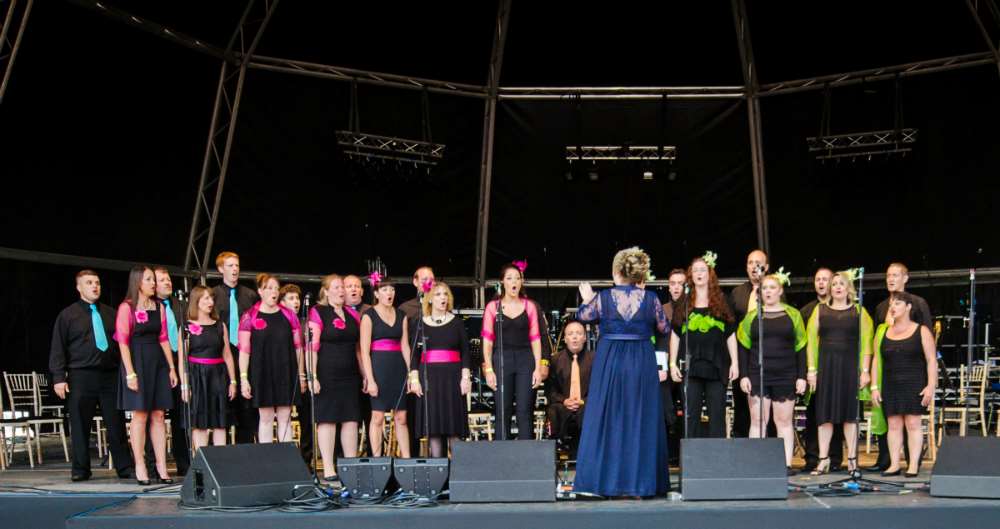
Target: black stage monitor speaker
[423,477]
[733,469]
[967,467]
[245,475]
[503,471]
[365,477]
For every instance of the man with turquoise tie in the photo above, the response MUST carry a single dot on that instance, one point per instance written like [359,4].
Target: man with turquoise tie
[84,362]
[231,301]
[174,309]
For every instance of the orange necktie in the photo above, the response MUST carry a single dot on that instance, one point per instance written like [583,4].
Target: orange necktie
[574,380]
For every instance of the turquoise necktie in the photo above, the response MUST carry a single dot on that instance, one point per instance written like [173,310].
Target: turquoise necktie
[99,337]
[234,318]
[171,325]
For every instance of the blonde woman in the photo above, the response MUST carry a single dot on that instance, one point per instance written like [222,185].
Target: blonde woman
[623,448]
[839,356]
[784,351]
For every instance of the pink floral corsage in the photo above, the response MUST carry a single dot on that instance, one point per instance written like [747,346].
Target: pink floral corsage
[194,329]
[259,324]
[339,324]
[141,316]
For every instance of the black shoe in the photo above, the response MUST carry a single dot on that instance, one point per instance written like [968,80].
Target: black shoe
[142,482]
[128,473]
[79,477]
[876,468]
[896,472]
[791,471]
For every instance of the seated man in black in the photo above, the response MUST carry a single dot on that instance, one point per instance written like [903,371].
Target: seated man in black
[568,383]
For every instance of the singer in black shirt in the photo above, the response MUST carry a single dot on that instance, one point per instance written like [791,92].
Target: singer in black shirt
[84,375]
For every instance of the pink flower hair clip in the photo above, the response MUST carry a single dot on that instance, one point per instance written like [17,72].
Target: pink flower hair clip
[375,278]
[194,329]
[141,316]
[426,286]
[521,265]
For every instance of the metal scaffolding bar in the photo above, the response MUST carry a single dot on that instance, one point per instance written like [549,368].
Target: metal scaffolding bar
[879,74]
[340,73]
[918,278]
[995,13]
[486,167]
[215,165]
[9,49]
[752,88]
[542,93]
[152,27]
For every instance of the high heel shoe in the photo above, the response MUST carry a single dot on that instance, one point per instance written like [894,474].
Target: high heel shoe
[823,467]
[166,481]
[912,474]
[852,464]
[888,473]
[142,482]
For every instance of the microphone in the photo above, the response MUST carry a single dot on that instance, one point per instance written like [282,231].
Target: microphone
[499,288]
[687,288]
[307,300]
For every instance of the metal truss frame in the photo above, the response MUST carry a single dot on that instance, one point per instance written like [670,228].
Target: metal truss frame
[239,55]
[576,153]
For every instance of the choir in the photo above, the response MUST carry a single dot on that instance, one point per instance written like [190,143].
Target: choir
[347,364]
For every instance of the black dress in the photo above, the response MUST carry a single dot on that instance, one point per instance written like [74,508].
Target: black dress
[388,364]
[148,362]
[208,376]
[837,380]
[783,365]
[273,366]
[904,375]
[441,411]
[339,397]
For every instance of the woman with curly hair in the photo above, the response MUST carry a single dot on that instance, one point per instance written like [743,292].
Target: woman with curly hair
[623,447]
[704,330]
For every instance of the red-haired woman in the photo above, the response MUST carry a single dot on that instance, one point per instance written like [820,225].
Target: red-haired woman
[521,352]
[703,329]
[209,376]
[148,372]
[271,360]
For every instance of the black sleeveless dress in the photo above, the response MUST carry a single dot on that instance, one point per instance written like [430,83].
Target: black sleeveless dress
[339,397]
[207,376]
[837,380]
[274,378]
[388,364]
[904,375]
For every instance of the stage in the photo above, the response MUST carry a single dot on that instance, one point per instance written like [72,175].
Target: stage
[106,502]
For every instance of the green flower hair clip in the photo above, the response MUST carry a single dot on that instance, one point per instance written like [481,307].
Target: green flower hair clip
[783,277]
[710,257]
[852,273]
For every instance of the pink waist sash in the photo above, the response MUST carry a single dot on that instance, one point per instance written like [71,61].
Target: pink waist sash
[386,344]
[442,356]
[206,361]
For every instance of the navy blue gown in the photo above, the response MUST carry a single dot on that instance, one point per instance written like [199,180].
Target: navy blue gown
[623,447]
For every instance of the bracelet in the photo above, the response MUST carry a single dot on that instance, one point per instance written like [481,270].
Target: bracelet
[544,362]
[674,366]
[488,370]
[131,376]
[866,371]
[232,382]
[184,387]
[874,388]
[302,376]
[244,375]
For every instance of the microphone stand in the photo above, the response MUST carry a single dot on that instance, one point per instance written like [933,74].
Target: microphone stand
[310,377]
[687,364]
[185,340]
[969,347]
[760,354]
[501,408]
